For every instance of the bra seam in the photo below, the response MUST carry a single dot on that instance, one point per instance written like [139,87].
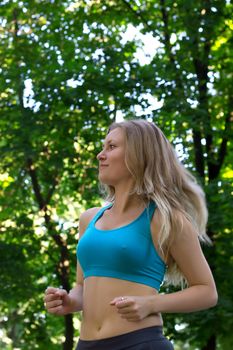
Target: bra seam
[97,215]
[147,210]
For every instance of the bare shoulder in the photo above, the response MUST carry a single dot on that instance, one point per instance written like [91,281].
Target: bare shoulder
[86,217]
[89,214]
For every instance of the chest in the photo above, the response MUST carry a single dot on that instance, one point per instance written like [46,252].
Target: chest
[111,221]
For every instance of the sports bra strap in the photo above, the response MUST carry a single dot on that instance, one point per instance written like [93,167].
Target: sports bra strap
[152,207]
[99,213]
[150,212]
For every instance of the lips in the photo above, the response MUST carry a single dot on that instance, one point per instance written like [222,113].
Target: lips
[102,166]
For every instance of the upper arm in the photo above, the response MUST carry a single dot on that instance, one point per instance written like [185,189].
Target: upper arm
[84,220]
[186,250]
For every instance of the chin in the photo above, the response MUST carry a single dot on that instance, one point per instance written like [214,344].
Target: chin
[105,181]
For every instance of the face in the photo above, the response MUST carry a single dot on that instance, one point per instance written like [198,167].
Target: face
[112,167]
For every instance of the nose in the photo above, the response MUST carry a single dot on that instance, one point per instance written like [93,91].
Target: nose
[101,155]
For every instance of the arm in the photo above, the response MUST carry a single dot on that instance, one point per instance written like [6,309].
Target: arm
[58,301]
[76,293]
[201,293]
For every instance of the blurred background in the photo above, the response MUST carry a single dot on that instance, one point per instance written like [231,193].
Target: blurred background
[67,70]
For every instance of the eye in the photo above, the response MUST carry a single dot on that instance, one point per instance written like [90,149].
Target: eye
[111,146]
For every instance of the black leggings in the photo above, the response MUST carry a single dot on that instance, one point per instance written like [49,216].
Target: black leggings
[150,338]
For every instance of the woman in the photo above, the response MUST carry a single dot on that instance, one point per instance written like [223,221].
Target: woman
[153,224]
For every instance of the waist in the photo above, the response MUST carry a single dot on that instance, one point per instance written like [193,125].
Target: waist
[102,320]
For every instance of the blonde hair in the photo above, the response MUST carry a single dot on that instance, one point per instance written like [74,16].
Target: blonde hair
[160,176]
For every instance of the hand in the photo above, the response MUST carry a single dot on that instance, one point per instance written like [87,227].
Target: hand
[132,308]
[57,301]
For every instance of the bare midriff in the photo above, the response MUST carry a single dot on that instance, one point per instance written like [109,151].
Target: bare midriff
[100,319]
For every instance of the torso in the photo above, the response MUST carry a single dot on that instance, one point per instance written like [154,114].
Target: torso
[100,319]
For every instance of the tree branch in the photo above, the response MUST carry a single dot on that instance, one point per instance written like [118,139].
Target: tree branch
[198,152]
[52,189]
[167,43]
[201,63]
[15,38]
[215,167]
[35,184]
[138,15]
[166,31]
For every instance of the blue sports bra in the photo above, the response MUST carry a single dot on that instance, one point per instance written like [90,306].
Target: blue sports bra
[127,252]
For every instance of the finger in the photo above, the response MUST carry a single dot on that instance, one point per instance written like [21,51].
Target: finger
[51,297]
[55,310]
[61,292]
[124,303]
[52,304]
[119,301]
[113,302]
[50,290]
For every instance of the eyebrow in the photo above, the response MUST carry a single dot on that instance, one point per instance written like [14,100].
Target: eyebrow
[109,141]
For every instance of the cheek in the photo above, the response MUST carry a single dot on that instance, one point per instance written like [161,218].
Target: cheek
[119,158]
[119,162]
[121,169]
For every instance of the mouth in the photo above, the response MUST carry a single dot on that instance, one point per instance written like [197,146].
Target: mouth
[101,166]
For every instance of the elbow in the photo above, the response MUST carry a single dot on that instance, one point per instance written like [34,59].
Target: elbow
[209,297]
[213,297]
[216,298]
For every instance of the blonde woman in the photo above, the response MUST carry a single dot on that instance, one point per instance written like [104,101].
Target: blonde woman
[151,228]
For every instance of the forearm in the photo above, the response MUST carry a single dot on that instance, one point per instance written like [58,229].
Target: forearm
[76,297]
[194,298]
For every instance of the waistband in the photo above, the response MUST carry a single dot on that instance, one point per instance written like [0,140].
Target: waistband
[119,342]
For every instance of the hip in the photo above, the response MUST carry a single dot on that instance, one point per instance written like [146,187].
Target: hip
[149,338]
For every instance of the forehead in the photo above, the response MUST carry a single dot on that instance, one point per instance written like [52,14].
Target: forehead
[115,135]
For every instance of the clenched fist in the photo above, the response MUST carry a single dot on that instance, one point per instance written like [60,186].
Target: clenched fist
[57,301]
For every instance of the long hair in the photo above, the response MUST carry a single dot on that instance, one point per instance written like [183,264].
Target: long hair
[160,176]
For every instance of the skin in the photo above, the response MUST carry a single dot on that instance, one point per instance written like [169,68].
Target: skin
[112,306]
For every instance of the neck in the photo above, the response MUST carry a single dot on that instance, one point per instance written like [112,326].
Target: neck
[124,201]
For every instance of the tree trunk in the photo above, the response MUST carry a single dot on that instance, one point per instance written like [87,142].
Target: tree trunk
[63,263]
[69,332]
[211,344]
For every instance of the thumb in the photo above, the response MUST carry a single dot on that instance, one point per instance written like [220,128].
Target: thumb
[113,302]
[61,293]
